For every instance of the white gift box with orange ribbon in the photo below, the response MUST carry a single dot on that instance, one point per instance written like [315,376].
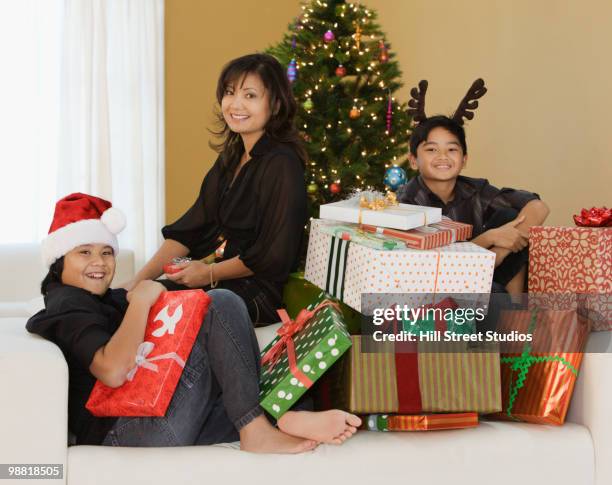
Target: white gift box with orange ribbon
[398,216]
[346,270]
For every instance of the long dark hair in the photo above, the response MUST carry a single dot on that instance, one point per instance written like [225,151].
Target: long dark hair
[54,275]
[280,126]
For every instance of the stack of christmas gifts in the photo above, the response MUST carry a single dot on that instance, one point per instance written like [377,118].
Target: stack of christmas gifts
[574,261]
[345,269]
[538,376]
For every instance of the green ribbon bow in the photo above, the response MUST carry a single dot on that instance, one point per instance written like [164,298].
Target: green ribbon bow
[522,364]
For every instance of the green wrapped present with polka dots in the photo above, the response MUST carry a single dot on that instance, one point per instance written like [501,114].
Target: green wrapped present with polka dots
[318,345]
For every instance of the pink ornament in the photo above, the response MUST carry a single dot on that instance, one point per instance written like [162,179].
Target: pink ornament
[389,114]
[329,36]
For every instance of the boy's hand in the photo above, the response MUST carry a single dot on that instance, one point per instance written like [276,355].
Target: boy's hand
[509,237]
[146,291]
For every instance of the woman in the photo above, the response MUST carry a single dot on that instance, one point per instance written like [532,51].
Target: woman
[253,198]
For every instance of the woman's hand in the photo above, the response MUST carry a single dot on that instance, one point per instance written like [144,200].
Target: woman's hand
[146,291]
[194,274]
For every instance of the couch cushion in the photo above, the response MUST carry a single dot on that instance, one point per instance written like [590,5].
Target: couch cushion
[495,452]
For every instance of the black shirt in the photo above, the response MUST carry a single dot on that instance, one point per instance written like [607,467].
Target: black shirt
[79,323]
[474,200]
[261,215]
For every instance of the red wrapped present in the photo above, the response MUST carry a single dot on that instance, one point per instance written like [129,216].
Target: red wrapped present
[172,327]
[569,261]
[419,422]
[538,377]
[428,237]
[172,268]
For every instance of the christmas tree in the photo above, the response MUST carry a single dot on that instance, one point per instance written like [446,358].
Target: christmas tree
[344,77]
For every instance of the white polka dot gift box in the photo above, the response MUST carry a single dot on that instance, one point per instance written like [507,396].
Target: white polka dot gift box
[345,270]
[302,352]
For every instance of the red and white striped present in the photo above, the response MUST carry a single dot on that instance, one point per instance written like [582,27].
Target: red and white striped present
[432,236]
[419,422]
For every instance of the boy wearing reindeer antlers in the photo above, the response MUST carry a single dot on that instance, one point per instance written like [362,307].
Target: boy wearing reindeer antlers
[501,217]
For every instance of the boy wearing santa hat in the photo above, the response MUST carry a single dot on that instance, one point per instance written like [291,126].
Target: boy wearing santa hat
[99,330]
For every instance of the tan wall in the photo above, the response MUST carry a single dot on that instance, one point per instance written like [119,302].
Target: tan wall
[542,126]
[201,36]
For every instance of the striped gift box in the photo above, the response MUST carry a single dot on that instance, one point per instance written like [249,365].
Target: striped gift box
[431,379]
[419,422]
[537,386]
[432,236]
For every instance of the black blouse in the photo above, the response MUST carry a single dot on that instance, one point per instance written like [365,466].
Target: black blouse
[261,215]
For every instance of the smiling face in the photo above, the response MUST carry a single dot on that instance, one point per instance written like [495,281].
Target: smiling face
[440,157]
[246,106]
[91,267]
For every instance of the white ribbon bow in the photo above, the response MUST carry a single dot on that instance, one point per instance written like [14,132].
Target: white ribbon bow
[141,360]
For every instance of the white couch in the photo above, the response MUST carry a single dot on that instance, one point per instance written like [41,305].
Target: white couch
[33,427]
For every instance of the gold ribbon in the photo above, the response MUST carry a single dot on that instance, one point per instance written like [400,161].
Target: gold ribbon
[382,203]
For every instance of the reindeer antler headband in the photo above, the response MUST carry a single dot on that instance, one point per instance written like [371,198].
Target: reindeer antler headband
[465,109]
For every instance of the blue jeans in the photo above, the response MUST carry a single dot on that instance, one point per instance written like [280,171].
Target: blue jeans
[218,392]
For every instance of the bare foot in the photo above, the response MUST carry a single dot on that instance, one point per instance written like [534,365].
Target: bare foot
[259,436]
[332,426]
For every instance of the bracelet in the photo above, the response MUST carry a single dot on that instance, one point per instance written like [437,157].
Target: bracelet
[212,283]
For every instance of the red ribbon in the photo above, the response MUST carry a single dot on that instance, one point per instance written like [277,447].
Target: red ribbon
[285,342]
[594,217]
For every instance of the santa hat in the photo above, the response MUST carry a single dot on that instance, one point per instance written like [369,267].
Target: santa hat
[81,219]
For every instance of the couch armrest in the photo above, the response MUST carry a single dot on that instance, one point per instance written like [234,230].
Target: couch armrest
[33,400]
[592,401]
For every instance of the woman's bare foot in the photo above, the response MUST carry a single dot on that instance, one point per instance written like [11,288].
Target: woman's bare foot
[259,436]
[333,426]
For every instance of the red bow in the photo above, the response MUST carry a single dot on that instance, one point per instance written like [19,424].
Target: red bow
[594,217]
[286,333]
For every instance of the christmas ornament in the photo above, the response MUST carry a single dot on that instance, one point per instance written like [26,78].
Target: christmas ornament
[389,113]
[307,104]
[292,71]
[358,36]
[335,188]
[354,113]
[341,71]
[313,188]
[329,36]
[383,56]
[394,177]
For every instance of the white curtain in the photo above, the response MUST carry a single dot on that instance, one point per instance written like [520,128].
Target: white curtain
[111,140]
[30,46]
